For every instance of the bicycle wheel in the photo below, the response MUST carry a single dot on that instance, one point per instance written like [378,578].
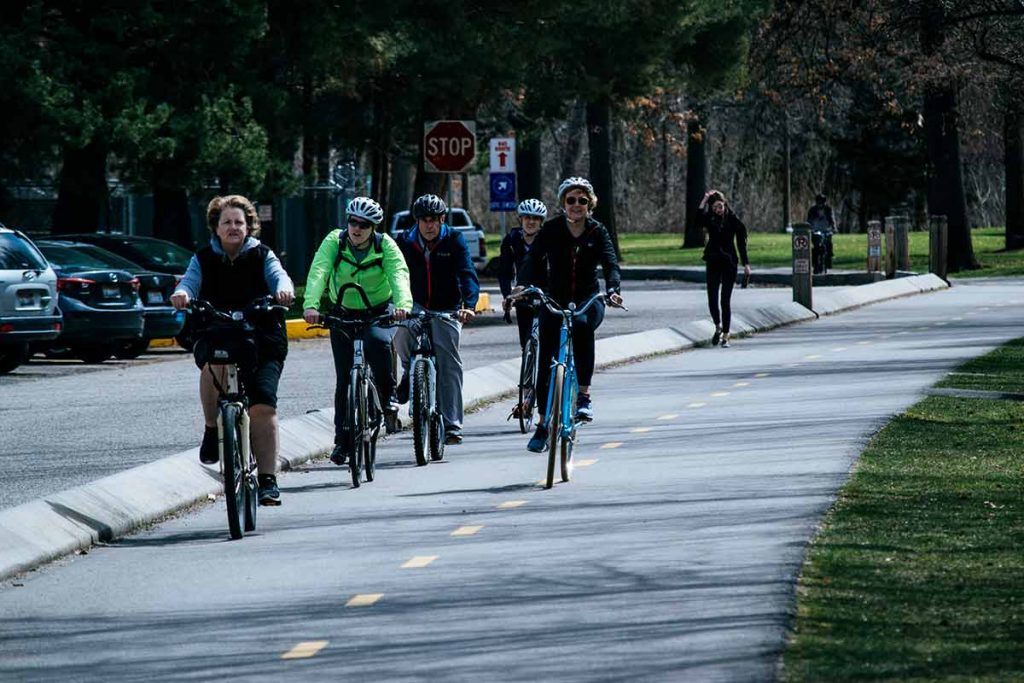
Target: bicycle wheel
[436,437]
[373,421]
[555,424]
[234,470]
[420,412]
[569,442]
[527,386]
[357,422]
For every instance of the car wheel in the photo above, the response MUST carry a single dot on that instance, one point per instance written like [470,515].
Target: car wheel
[132,349]
[11,356]
[93,354]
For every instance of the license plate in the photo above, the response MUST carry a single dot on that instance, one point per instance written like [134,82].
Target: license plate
[154,296]
[26,300]
[111,292]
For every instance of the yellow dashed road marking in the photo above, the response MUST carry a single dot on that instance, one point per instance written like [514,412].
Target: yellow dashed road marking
[584,463]
[941,324]
[419,561]
[364,599]
[761,375]
[839,349]
[793,365]
[742,384]
[468,530]
[863,343]
[697,404]
[640,430]
[719,394]
[509,504]
[670,416]
[611,444]
[306,649]
[813,356]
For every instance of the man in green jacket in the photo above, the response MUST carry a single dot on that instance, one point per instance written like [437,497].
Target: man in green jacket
[372,260]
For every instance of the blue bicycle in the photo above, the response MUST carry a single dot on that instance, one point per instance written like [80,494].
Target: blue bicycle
[564,386]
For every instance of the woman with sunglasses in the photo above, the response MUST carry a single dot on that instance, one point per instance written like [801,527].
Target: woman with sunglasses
[371,259]
[567,253]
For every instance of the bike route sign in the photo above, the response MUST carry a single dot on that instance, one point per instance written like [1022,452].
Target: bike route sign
[503,192]
[448,146]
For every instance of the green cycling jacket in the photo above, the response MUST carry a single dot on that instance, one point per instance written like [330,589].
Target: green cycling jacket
[382,273]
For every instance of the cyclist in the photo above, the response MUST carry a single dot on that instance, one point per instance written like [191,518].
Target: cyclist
[725,233]
[569,249]
[230,272]
[443,279]
[819,216]
[371,259]
[514,248]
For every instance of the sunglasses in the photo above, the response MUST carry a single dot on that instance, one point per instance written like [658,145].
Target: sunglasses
[582,201]
[356,223]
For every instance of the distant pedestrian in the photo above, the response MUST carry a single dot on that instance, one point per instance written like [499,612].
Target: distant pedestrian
[725,234]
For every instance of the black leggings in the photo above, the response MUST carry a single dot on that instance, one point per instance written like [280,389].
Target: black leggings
[377,352]
[724,276]
[583,329]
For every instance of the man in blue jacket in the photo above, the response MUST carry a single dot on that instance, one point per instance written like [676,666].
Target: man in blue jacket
[442,278]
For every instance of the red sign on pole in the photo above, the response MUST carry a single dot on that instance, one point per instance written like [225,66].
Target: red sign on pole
[448,146]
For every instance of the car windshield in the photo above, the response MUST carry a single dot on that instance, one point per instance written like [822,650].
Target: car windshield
[69,258]
[161,253]
[108,257]
[17,253]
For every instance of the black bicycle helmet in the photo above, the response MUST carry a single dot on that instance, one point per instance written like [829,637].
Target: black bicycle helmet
[429,205]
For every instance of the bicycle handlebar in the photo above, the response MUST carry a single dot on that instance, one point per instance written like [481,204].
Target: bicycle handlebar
[556,309]
[432,315]
[262,304]
[334,322]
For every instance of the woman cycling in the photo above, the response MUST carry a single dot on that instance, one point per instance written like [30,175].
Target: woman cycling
[230,272]
[514,247]
[568,250]
[372,260]
[725,233]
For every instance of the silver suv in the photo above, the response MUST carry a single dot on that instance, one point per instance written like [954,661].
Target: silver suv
[28,299]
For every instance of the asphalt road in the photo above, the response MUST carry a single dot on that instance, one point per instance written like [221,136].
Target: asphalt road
[672,555]
[66,423]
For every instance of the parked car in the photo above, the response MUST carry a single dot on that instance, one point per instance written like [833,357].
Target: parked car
[151,253]
[101,305]
[155,289]
[28,299]
[460,220]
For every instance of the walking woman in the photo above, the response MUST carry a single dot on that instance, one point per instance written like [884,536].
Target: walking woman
[725,234]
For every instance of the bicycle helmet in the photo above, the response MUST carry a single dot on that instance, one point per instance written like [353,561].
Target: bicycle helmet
[365,208]
[429,205]
[577,183]
[532,207]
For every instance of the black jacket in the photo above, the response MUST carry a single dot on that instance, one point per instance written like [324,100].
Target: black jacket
[570,264]
[447,280]
[510,261]
[725,235]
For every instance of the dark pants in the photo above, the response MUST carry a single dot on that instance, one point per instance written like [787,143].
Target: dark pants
[583,329]
[524,318]
[376,352]
[721,275]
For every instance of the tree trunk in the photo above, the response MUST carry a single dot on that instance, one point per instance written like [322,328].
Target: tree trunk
[529,166]
[171,219]
[400,191]
[696,177]
[576,124]
[945,176]
[599,139]
[1013,141]
[83,199]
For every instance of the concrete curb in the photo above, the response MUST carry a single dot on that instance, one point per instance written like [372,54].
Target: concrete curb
[42,530]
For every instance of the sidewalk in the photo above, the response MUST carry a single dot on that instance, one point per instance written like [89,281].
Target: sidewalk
[45,529]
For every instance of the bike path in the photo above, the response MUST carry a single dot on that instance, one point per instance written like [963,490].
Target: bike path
[671,556]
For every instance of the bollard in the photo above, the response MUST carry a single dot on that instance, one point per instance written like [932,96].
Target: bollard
[938,243]
[802,282]
[874,246]
[890,250]
[901,245]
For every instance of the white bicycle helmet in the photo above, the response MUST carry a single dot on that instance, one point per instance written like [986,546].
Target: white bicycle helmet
[429,205]
[532,207]
[577,183]
[365,208]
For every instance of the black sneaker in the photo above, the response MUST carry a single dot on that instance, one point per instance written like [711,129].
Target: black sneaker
[453,437]
[268,491]
[339,456]
[716,337]
[209,452]
[539,442]
[391,422]
[584,408]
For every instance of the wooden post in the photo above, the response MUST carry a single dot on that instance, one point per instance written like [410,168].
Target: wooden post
[890,249]
[901,244]
[937,245]
[874,246]
[802,282]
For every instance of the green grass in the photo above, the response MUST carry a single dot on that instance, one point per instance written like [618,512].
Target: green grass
[918,571]
[768,250]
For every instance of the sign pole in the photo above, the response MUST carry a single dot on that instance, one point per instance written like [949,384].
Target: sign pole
[802,265]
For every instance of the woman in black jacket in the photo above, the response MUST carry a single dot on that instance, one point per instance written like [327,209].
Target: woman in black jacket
[570,247]
[725,234]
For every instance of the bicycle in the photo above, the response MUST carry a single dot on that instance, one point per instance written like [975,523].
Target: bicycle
[365,413]
[424,410]
[227,340]
[528,368]
[563,388]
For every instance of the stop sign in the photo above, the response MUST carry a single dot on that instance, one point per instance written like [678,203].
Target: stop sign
[449,146]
